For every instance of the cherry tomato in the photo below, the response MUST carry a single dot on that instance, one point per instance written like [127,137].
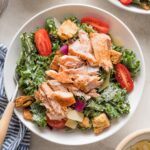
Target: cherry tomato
[98,25]
[43,43]
[126,2]
[123,77]
[59,124]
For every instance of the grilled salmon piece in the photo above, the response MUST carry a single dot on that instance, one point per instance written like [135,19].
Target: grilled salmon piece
[56,86]
[87,70]
[101,44]
[67,30]
[115,56]
[55,63]
[87,83]
[64,98]
[77,49]
[46,89]
[82,48]
[70,61]
[54,109]
[59,76]
[71,88]
[85,41]
[40,95]
[93,93]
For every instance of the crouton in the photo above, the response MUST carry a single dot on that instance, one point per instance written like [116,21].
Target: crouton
[85,123]
[67,30]
[115,56]
[100,123]
[24,101]
[27,114]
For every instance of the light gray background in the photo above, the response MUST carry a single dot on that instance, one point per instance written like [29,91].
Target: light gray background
[19,11]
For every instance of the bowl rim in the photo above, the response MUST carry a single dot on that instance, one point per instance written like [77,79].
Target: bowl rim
[131,137]
[99,9]
[139,11]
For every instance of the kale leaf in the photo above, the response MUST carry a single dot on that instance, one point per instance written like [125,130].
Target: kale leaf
[50,26]
[112,101]
[31,66]
[39,114]
[129,60]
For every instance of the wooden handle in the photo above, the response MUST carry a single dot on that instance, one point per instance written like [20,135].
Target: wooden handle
[5,120]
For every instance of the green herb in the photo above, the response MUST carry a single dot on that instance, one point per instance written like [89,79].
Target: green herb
[129,60]
[87,28]
[112,101]
[31,66]
[50,26]
[73,19]
[39,114]
[52,30]
[136,2]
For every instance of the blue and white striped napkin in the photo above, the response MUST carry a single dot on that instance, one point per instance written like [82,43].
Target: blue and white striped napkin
[18,136]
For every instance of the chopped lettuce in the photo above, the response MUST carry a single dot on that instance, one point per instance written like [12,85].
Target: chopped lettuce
[39,114]
[129,60]
[112,101]
[31,67]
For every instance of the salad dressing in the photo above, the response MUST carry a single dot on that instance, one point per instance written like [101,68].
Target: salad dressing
[142,145]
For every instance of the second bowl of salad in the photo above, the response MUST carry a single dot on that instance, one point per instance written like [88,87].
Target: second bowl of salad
[136,6]
[79,74]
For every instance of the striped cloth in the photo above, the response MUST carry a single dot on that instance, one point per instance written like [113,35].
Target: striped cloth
[18,136]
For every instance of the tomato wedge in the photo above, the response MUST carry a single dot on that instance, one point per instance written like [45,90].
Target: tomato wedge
[98,25]
[43,43]
[126,2]
[58,124]
[123,77]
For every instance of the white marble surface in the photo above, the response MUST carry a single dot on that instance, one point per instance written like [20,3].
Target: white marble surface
[19,11]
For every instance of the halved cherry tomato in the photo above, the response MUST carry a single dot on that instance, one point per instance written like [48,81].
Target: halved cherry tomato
[126,2]
[98,25]
[123,77]
[43,43]
[59,124]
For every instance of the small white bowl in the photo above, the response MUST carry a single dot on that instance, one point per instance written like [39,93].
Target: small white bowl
[117,29]
[129,8]
[143,134]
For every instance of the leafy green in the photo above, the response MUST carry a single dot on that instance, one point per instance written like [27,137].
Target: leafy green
[112,101]
[105,76]
[52,30]
[87,28]
[73,19]
[39,114]
[129,60]
[31,66]
[50,26]
[141,2]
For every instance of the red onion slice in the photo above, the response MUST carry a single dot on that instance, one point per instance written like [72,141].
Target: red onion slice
[80,105]
[64,49]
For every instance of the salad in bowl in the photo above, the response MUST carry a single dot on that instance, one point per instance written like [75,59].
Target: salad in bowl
[144,4]
[74,76]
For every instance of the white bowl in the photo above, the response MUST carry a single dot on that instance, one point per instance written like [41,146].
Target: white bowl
[130,8]
[117,28]
[143,134]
